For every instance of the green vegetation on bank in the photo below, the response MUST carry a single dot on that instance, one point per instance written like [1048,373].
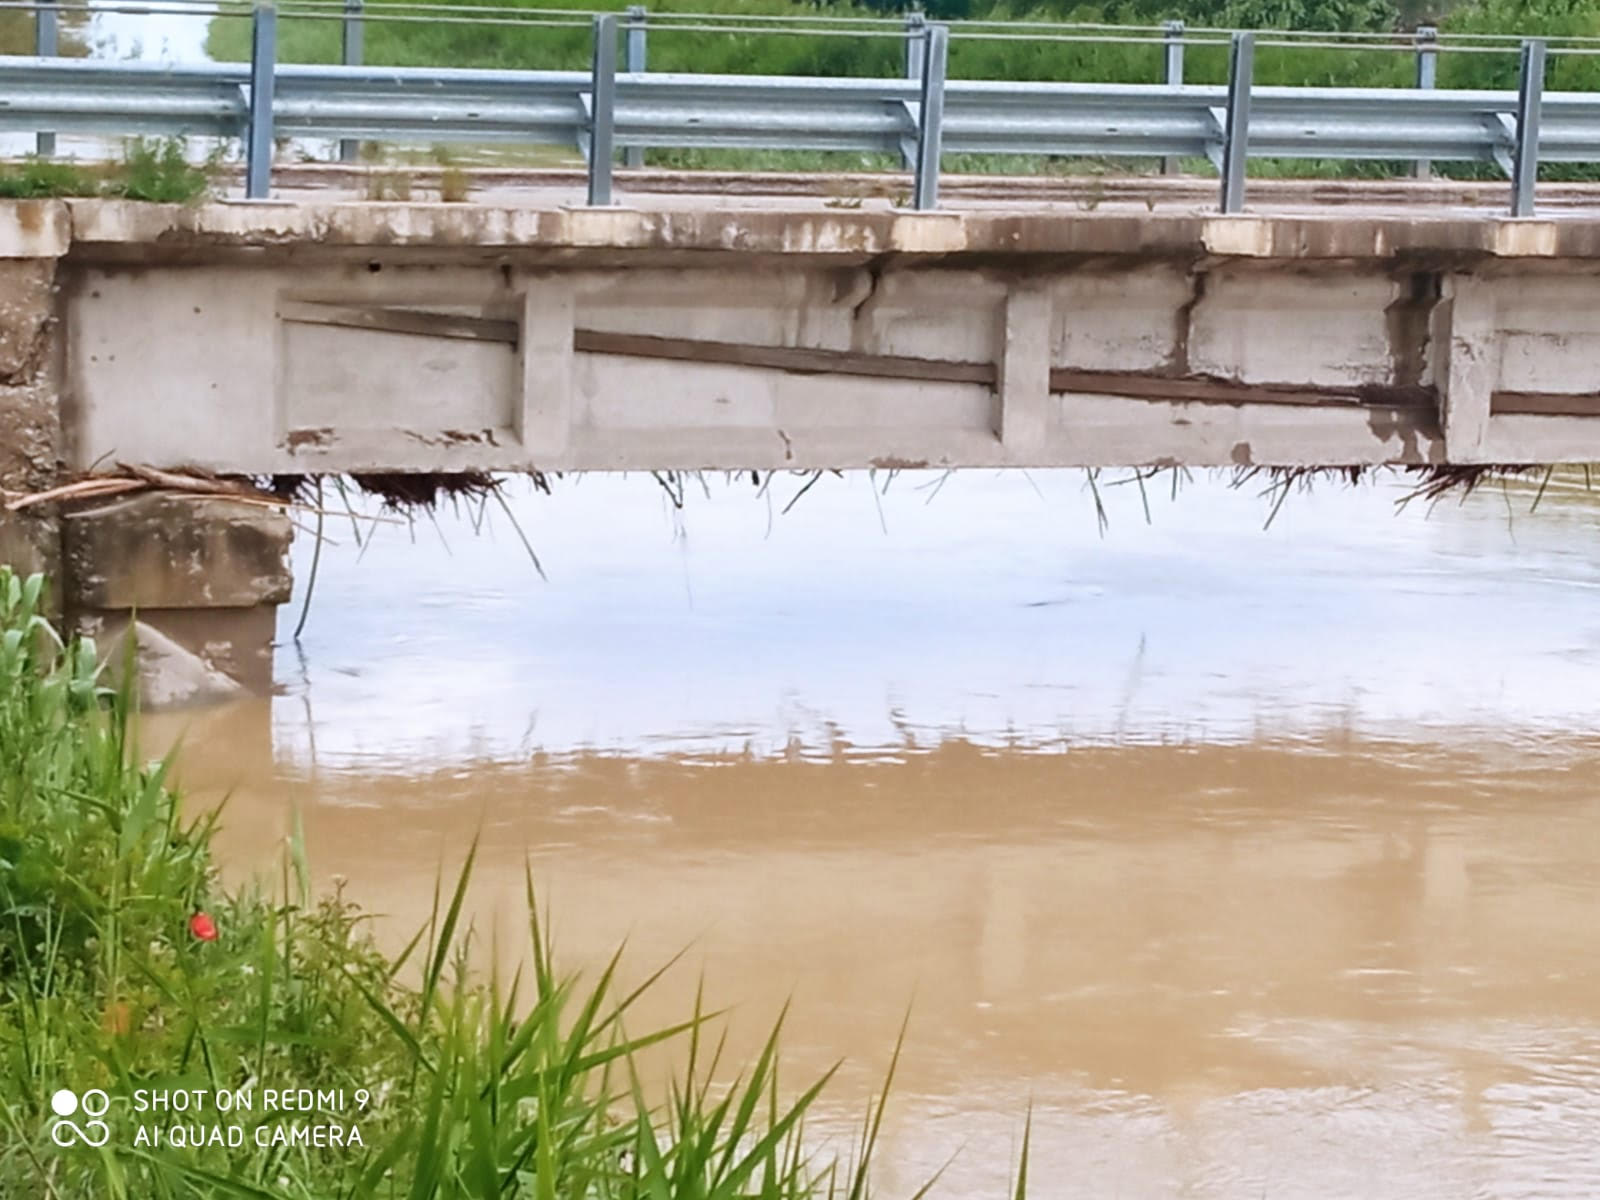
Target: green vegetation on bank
[149,169]
[18,32]
[124,964]
[466,43]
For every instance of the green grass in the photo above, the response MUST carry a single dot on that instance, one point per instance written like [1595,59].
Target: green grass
[36,177]
[150,169]
[438,43]
[434,43]
[522,1087]
[157,170]
[424,43]
[17,34]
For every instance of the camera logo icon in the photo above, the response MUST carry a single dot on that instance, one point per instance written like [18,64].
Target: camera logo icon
[66,1132]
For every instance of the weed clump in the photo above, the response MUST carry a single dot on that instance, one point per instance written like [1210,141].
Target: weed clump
[455,185]
[153,169]
[35,178]
[158,170]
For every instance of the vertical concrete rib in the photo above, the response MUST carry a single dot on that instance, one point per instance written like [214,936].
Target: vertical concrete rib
[1023,391]
[544,414]
[1467,368]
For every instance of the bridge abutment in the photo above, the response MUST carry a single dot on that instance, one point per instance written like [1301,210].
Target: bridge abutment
[202,576]
[30,415]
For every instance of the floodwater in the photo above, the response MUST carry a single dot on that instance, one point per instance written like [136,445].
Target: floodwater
[1260,864]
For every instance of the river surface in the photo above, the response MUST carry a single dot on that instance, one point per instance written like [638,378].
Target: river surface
[1261,864]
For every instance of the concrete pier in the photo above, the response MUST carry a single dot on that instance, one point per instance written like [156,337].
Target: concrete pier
[319,335]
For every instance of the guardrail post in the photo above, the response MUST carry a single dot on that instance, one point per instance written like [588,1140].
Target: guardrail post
[1174,73]
[45,45]
[351,32]
[1236,137]
[263,63]
[916,49]
[602,108]
[1427,42]
[1525,160]
[635,50]
[930,130]
[916,43]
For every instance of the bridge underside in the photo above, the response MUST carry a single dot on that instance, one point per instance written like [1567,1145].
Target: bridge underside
[298,339]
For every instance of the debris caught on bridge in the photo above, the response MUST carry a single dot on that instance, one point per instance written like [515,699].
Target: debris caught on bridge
[128,479]
[1430,483]
[406,494]
[400,493]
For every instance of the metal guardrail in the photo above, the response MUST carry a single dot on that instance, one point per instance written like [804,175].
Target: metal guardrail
[605,111]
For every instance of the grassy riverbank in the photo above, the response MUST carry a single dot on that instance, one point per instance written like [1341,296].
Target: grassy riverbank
[18,32]
[126,966]
[467,43]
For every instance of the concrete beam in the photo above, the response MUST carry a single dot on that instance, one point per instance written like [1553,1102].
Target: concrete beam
[113,230]
[38,229]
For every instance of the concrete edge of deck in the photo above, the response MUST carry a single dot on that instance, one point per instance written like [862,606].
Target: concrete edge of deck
[56,228]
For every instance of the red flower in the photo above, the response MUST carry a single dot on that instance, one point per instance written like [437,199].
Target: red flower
[203,927]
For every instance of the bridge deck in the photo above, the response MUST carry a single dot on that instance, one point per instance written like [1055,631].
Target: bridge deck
[1030,324]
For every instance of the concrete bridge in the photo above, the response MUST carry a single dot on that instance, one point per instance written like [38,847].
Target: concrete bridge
[1035,325]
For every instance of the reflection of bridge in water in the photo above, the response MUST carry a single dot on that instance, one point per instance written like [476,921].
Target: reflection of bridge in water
[1391,932]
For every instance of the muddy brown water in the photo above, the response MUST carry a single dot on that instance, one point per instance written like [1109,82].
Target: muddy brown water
[1261,864]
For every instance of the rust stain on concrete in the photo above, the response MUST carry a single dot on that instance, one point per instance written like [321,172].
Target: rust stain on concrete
[889,462]
[298,438]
